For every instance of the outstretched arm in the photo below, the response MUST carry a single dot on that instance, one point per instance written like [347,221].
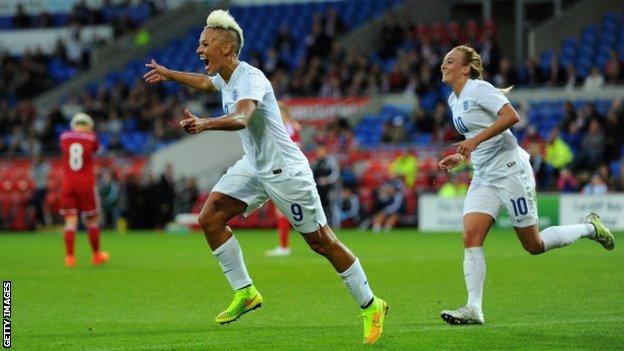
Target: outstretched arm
[236,120]
[160,73]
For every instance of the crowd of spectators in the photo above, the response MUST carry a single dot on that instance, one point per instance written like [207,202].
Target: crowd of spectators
[117,13]
[28,75]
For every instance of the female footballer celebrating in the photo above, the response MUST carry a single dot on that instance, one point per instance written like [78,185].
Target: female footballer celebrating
[502,178]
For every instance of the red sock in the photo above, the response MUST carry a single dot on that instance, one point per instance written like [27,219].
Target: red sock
[70,234]
[283,227]
[94,238]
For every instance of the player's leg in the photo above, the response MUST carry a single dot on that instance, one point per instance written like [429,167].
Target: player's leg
[88,201]
[283,230]
[481,207]
[217,210]
[374,310]
[69,210]
[391,221]
[297,197]
[476,227]
[93,230]
[536,242]
[521,202]
[69,236]
[378,220]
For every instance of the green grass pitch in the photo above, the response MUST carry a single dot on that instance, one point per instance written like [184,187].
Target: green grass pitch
[162,292]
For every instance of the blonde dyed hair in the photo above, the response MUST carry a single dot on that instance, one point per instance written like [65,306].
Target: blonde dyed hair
[473,59]
[221,19]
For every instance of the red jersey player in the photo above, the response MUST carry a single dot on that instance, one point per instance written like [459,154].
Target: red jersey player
[78,189]
[283,225]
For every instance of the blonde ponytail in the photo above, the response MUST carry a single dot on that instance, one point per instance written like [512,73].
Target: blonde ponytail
[473,59]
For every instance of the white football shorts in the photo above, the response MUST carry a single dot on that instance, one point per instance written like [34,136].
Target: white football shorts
[293,191]
[515,192]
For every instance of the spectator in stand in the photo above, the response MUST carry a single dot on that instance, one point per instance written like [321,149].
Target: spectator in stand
[592,148]
[533,139]
[39,174]
[74,49]
[350,207]
[453,188]
[187,196]
[332,24]
[389,202]
[614,135]
[110,196]
[572,78]
[390,36]
[284,41]
[317,42]
[21,20]
[534,74]
[556,76]
[44,20]
[594,81]
[569,115]
[506,75]
[619,181]
[166,191]
[490,53]
[404,166]
[326,172]
[541,170]
[567,182]
[558,153]
[596,186]
[612,68]
[422,120]
[394,131]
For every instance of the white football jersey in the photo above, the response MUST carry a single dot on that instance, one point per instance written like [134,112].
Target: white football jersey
[475,109]
[267,145]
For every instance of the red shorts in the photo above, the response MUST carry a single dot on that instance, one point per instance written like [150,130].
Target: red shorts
[85,200]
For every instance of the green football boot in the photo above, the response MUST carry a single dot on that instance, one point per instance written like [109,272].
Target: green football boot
[245,300]
[603,235]
[374,316]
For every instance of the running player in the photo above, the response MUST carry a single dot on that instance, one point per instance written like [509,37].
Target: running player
[503,178]
[79,192]
[283,225]
[273,168]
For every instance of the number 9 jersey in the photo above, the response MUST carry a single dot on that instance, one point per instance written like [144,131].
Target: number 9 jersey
[78,188]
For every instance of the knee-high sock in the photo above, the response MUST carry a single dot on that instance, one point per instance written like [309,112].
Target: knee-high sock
[474,275]
[283,227]
[230,257]
[69,236]
[355,279]
[564,235]
[94,238]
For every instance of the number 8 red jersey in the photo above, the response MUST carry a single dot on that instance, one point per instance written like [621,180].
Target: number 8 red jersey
[78,188]
[78,149]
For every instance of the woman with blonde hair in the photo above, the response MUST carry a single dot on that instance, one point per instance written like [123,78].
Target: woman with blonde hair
[502,177]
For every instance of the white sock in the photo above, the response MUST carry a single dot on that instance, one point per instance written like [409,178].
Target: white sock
[356,281]
[474,274]
[230,257]
[564,235]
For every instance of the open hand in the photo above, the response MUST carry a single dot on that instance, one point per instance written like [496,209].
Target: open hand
[158,73]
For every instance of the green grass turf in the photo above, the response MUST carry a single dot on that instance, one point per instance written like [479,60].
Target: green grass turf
[161,292]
